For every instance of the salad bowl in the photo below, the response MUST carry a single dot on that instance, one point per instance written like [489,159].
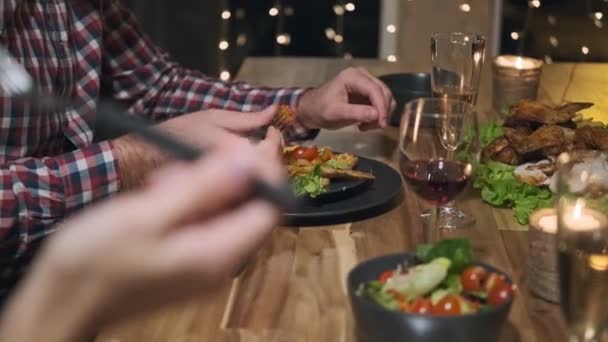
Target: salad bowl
[374,323]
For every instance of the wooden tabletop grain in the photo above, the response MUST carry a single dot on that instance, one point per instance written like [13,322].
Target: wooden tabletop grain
[294,288]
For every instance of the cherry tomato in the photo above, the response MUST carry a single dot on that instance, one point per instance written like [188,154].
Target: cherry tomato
[472,277]
[493,280]
[500,294]
[385,276]
[421,306]
[308,153]
[448,306]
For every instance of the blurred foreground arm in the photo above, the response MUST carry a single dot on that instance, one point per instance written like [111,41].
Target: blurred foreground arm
[183,235]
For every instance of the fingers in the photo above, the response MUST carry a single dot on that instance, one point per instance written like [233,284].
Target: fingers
[357,82]
[208,187]
[355,113]
[216,247]
[243,122]
[387,94]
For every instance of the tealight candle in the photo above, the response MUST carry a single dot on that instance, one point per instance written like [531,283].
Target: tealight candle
[516,78]
[578,218]
[543,276]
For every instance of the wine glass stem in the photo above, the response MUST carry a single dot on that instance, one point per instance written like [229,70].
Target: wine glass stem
[432,233]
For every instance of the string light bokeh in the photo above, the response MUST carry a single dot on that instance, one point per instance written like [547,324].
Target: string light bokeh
[548,43]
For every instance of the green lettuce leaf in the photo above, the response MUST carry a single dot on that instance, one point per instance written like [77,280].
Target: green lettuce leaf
[308,185]
[499,187]
[458,251]
[488,132]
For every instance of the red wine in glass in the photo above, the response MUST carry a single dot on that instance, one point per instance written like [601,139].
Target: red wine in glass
[436,181]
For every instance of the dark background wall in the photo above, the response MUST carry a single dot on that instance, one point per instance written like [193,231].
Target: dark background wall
[188,29]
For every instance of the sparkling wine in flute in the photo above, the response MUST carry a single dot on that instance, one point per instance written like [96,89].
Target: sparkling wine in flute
[583,266]
[455,93]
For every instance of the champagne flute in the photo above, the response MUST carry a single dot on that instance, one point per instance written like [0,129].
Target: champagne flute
[457,59]
[582,242]
[438,150]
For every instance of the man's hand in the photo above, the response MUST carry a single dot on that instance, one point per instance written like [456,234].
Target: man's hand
[352,97]
[205,130]
[184,235]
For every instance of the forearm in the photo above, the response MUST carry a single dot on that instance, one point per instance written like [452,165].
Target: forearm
[136,159]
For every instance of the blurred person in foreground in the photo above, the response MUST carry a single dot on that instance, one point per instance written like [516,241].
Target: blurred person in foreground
[182,235]
[53,164]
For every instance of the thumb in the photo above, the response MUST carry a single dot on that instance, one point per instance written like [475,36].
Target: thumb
[244,122]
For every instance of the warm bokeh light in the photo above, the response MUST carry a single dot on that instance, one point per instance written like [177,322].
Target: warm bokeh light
[391,28]
[226,15]
[535,3]
[465,7]
[391,58]
[330,33]
[553,41]
[338,39]
[350,7]
[599,15]
[585,50]
[514,35]
[241,39]
[225,75]
[223,45]
[284,39]
[273,12]
[339,10]
[552,20]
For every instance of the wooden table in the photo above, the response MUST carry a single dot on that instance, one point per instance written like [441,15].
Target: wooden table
[294,290]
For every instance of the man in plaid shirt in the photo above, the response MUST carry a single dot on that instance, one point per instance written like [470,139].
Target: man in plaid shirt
[86,49]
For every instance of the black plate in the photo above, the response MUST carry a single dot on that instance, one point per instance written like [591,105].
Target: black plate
[406,87]
[341,188]
[370,199]
[373,323]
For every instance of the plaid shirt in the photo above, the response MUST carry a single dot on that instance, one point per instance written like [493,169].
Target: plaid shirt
[86,49]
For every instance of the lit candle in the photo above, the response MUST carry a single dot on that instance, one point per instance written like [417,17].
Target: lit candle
[518,62]
[580,218]
[515,78]
[542,263]
[548,223]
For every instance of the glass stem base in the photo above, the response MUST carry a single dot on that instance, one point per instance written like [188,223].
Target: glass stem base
[451,218]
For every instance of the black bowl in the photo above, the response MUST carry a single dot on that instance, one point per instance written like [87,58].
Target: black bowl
[406,87]
[374,323]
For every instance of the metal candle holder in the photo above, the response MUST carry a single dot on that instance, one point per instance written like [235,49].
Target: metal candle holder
[515,78]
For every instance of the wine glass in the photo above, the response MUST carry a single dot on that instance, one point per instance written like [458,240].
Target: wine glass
[582,242]
[439,150]
[457,59]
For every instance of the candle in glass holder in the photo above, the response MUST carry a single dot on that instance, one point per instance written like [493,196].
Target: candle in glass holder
[543,274]
[515,78]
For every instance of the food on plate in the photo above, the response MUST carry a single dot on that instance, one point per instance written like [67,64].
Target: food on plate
[534,131]
[518,158]
[592,164]
[446,282]
[533,113]
[537,174]
[312,168]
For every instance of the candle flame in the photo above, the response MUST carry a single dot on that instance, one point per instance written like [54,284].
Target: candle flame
[577,211]
[519,63]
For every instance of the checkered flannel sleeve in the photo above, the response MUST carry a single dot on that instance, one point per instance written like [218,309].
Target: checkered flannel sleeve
[38,192]
[142,76]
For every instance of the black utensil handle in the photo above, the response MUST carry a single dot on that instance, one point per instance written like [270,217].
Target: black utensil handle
[111,115]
